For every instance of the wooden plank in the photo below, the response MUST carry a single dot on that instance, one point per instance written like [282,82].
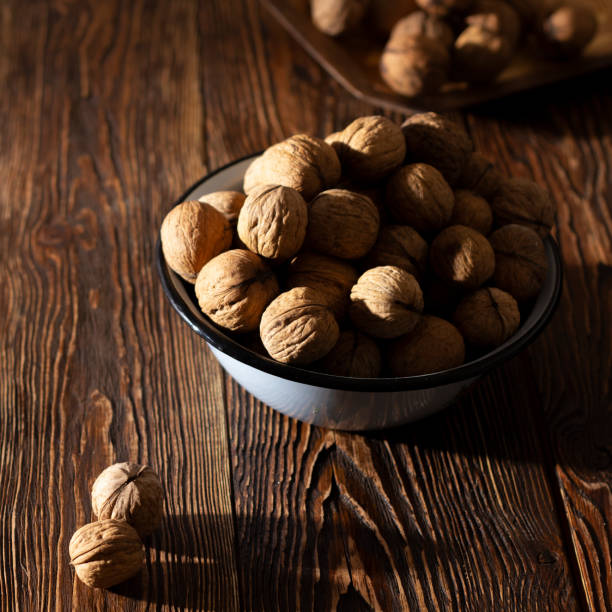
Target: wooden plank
[102,126]
[452,513]
[565,140]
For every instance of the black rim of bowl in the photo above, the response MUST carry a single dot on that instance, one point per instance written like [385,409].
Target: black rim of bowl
[234,349]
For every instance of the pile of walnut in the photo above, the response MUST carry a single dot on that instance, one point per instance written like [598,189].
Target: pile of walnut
[432,42]
[369,252]
[127,499]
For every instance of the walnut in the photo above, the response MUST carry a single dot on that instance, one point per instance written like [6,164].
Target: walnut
[129,492]
[420,23]
[234,288]
[304,163]
[414,65]
[401,246]
[438,141]
[369,148]
[480,55]
[106,553]
[418,195]
[336,17]
[480,176]
[386,302]
[487,317]
[472,210]
[496,17]
[353,355]
[384,14]
[376,193]
[272,222]
[228,203]
[432,346]
[298,327]
[192,233]
[520,261]
[522,201]
[442,8]
[462,256]
[342,223]
[567,30]
[331,277]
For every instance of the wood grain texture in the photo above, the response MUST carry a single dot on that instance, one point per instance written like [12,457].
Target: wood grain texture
[562,138]
[102,126]
[500,503]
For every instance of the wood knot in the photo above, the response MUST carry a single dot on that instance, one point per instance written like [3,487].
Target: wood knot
[546,557]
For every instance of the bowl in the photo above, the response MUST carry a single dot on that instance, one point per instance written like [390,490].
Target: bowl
[340,402]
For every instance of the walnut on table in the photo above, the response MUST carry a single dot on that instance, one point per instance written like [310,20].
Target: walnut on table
[106,553]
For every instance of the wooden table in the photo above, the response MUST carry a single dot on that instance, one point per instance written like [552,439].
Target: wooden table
[108,111]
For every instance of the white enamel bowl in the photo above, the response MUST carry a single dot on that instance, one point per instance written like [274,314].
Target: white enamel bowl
[335,401]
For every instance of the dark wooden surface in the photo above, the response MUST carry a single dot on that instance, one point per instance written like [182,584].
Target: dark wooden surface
[108,111]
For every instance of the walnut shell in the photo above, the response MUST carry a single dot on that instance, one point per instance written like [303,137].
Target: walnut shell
[487,317]
[384,14]
[442,8]
[472,211]
[192,233]
[567,30]
[304,163]
[480,55]
[234,288]
[228,203]
[432,346]
[386,302]
[524,202]
[414,65]
[420,23]
[480,176]
[353,355]
[336,17]
[272,222]
[342,223]
[520,261]
[462,256]
[106,553]
[438,141]
[401,246]
[331,277]
[496,17]
[376,193]
[298,327]
[418,195]
[370,148]
[129,492]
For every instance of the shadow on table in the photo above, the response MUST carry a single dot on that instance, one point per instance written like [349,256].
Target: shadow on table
[532,107]
[552,399]
[189,564]
[275,566]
